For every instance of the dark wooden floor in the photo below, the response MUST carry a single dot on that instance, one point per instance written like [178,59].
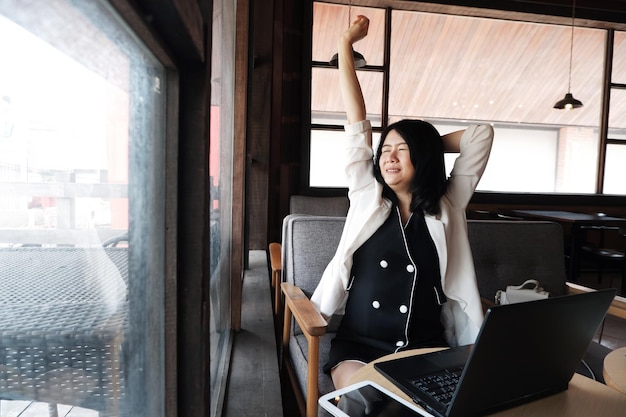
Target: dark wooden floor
[254,387]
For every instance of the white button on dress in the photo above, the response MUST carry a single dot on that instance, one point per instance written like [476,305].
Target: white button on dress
[399,343]
[403,309]
[375,304]
[410,268]
[384,264]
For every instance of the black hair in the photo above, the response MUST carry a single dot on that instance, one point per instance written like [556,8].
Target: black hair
[426,148]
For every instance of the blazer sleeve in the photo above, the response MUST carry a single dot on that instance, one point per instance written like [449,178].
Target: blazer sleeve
[470,164]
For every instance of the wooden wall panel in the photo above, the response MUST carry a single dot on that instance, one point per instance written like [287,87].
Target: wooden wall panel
[259,136]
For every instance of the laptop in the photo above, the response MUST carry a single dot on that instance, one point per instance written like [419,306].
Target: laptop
[523,352]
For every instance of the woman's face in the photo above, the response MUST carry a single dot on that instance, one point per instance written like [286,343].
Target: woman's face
[395,163]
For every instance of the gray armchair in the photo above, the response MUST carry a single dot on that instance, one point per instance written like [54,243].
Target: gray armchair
[309,243]
[301,204]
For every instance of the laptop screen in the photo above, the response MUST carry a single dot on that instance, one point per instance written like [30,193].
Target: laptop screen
[523,352]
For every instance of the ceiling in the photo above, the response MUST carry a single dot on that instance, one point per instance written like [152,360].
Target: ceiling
[459,67]
[599,13]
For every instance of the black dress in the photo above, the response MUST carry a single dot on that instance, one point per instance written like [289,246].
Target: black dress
[395,294]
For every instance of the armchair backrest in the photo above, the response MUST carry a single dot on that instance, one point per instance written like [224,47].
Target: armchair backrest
[319,206]
[309,243]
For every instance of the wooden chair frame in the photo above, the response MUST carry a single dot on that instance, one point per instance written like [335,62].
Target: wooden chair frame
[299,307]
[276,266]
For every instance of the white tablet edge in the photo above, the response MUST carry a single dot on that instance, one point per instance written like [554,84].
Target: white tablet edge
[326,404]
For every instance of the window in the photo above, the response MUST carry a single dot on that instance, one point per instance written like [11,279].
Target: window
[614,169]
[82,122]
[220,171]
[456,70]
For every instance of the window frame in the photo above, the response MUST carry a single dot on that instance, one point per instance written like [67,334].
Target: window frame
[175,33]
[153,171]
[604,140]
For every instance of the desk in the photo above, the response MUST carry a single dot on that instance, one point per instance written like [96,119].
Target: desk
[614,370]
[576,220]
[584,397]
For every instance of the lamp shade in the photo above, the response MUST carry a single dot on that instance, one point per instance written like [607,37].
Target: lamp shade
[568,102]
[359,60]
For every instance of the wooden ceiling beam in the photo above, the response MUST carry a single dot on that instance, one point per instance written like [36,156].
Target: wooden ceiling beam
[603,14]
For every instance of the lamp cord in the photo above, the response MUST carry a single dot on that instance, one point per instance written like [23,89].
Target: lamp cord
[349,13]
[571,48]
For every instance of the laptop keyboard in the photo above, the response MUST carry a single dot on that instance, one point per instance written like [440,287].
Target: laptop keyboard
[440,385]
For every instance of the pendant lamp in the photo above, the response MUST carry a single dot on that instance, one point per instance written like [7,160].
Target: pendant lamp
[359,59]
[569,102]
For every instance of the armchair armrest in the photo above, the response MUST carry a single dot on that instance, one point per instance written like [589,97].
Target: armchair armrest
[276,264]
[307,317]
[617,308]
[313,325]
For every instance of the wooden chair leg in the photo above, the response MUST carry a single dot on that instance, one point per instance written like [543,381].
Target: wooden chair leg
[312,371]
[276,281]
[286,328]
[276,266]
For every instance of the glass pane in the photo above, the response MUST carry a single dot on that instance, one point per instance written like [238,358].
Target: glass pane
[617,134]
[79,95]
[326,101]
[220,171]
[330,21]
[473,69]
[617,115]
[327,163]
[615,169]
[619,58]
[511,155]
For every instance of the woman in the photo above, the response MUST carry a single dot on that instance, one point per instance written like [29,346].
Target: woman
[403,271]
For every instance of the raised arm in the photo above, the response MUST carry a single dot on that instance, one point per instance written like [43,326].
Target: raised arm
[452,141]
[348,81]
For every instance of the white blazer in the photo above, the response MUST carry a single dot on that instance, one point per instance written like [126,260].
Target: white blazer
[462,315]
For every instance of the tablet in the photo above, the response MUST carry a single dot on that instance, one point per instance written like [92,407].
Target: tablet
[366,398]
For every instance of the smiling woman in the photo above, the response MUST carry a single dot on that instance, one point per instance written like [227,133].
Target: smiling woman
[395,163]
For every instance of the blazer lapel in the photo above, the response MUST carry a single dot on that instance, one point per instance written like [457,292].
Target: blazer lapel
[438,234]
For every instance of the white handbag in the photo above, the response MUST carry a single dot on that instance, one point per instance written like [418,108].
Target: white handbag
[528,291]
